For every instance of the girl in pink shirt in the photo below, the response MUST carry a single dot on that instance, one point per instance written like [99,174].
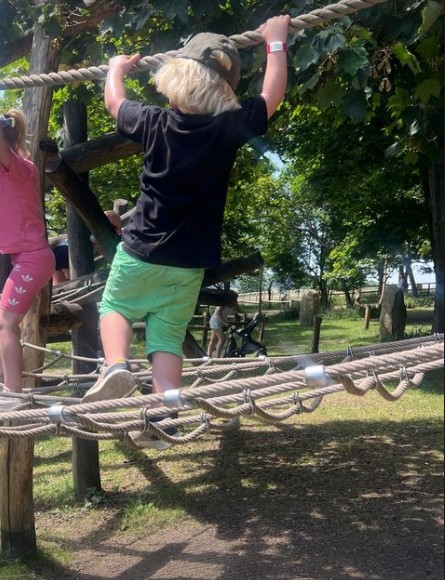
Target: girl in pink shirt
[23,237]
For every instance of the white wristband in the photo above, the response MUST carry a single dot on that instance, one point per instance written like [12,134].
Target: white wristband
[277,46]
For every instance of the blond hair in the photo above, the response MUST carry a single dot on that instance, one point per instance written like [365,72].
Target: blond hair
[195,88]
[16,134]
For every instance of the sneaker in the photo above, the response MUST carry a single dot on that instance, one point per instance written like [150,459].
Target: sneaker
[149,441]
[116,382]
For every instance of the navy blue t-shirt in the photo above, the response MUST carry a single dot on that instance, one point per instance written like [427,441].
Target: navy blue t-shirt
[187,164]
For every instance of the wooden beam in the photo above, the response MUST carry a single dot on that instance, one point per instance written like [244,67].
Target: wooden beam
[16,49]
[64,317]
[85,202]
[233,268]
[99,152]
[99,11]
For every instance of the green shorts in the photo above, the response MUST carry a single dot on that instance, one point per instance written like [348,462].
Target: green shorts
[162,296]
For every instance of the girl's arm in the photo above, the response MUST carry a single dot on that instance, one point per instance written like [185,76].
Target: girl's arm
[5,150]
[115,94]
[275,32]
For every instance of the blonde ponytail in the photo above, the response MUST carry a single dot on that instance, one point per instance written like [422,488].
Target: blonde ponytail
[16,134]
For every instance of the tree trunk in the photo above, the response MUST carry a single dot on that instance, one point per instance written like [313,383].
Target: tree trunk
[347,293]
[412,279]
[435,196]
[383,280]
[324,293]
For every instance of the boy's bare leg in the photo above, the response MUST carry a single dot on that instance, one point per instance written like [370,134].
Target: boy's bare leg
[116,380]
[167,375]
[116,333]
[167,371]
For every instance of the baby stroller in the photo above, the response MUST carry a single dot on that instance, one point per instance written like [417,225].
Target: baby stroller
[240,341]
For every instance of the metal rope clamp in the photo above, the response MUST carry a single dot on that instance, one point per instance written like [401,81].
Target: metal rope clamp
[404,376]
[173,399]
[317,377]
[249,400]
[57,415]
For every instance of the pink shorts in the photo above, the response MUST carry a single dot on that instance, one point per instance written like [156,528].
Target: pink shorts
[30,273]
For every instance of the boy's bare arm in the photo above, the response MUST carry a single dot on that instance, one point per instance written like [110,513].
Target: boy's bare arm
[115,93]
[275,30]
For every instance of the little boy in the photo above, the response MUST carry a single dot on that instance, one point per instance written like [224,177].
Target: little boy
[175,232]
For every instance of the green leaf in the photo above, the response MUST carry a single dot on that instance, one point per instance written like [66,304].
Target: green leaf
[329,41]
[411,158]
[329,95]
[172,9]
[399,102]
[429,88]
[351,60]
[427,48]
[406,57]
[355,105]
[430,14]
[394,150]
[309,84]
[305,57]
[414,128]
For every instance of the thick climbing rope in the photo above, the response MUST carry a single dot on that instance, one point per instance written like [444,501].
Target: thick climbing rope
[204,370]
[274,398]
[151,63]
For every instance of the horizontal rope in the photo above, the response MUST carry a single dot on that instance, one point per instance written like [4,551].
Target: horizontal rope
[204,368]
[151,63]
[272,398]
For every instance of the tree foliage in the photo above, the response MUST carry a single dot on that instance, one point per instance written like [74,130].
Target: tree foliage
[362,123]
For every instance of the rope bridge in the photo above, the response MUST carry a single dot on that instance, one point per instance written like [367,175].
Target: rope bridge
[151,63]
[275,390]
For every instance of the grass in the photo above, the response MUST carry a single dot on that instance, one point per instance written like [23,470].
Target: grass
[145,492]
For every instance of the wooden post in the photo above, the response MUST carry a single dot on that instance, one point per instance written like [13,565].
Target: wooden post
[260,302]
[205,323]
[318,320]
[368,313]
[262,331]
[86,467]
[18,536]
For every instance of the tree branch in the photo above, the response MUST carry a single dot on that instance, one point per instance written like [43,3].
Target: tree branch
[21,47]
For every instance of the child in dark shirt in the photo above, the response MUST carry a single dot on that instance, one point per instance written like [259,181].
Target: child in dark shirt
[175,232]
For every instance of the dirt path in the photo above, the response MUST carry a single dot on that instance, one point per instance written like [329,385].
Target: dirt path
[319,506]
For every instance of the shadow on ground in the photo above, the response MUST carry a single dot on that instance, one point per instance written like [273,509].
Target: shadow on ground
[337,501]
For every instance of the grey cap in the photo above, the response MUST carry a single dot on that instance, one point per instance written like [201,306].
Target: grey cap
[202,47]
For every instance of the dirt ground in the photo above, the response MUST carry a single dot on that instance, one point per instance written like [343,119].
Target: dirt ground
[311,504]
